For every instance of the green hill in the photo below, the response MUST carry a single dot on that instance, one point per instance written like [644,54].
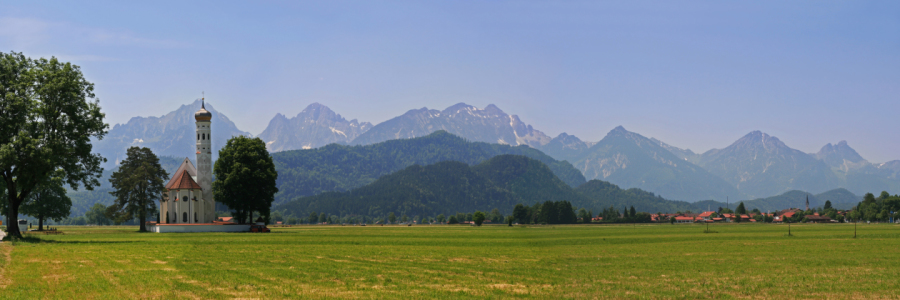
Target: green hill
[598,194]
[450,187]
[442,188]
[342,168]
[529,179]
[840,198]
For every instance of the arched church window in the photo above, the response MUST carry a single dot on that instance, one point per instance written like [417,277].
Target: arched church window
[198,136]
[203,135]
[184,216]
[195,217]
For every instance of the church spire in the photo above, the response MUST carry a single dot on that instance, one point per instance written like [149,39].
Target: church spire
[203,114]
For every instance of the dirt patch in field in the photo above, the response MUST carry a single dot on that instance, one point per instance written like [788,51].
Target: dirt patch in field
[5,253]
[515,288]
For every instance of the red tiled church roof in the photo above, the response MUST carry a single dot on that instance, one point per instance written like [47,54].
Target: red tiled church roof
[183,181]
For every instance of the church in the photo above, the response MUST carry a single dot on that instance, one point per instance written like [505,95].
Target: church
[189,196]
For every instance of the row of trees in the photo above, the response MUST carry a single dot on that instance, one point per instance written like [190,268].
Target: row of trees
[880,209]
[549,212]
[391,218]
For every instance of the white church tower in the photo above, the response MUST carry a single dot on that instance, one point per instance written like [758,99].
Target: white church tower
[204,161]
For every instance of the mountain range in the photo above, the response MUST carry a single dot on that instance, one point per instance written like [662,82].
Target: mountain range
[489,125]
[314,127]
[755,166]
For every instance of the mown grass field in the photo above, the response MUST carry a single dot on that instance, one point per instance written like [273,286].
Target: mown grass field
[453,262]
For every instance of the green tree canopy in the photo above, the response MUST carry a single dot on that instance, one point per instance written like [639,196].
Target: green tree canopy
[139,181]
[48,201]
[46,124]
[97,215]
[245,178]
[478,218]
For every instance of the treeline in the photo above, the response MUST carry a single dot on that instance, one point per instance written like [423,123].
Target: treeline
[287,218]
[880,209]
[549,212]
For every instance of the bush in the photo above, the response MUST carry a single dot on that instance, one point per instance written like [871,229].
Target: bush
[452,220]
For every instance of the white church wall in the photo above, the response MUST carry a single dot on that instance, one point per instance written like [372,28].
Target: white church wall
[164,228]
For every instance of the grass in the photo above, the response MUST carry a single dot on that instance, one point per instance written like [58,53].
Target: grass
[453,262]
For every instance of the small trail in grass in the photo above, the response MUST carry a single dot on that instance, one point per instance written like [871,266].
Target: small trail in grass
[6,253]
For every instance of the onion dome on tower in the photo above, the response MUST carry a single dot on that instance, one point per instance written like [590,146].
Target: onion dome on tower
[203,114]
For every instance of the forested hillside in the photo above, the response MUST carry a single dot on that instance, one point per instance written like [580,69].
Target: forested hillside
[449,187]
[598,194]
[342,168]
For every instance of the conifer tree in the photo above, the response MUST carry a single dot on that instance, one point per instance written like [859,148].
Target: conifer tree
[137,184]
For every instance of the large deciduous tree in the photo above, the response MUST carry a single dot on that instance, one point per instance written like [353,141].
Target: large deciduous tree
[97,215]
[48,201]
[245,178]
[478,218]
[46,124]
[139,181]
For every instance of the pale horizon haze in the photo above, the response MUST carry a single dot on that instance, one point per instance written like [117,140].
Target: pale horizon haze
[694,74]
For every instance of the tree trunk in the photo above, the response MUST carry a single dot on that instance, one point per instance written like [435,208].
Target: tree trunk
[12,215]
[142,216]
[142,220]
[40,223]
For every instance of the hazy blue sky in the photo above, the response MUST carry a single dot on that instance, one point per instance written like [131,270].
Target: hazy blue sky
[696,75]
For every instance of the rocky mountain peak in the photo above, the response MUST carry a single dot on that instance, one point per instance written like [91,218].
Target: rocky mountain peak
[841,157]
[493,110]
[315,126]
[459,108]
[172,134]
[759,140]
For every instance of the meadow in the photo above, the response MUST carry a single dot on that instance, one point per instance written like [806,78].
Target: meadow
[459,262]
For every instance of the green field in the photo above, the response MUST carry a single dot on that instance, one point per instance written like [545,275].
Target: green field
[582,262]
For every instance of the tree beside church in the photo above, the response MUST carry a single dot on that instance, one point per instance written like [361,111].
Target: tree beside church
[137,184]
[245,178]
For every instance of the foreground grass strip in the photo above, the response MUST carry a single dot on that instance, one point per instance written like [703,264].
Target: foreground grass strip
[649,261]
